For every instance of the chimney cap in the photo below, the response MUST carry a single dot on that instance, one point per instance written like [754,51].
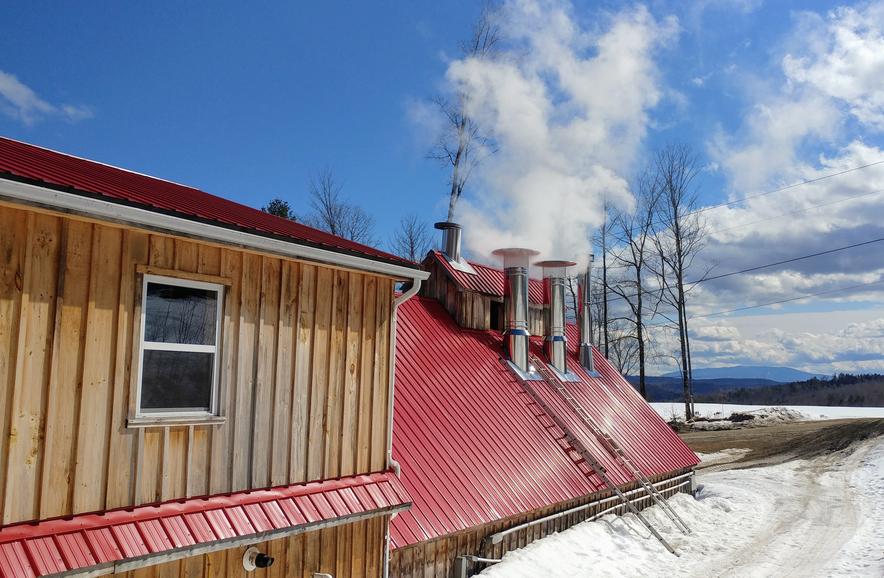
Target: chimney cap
[443,225]
[550,264]
[515,252]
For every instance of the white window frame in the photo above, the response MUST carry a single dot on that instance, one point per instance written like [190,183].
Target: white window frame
[161,346]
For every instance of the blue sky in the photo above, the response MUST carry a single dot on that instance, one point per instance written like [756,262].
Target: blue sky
[247,102]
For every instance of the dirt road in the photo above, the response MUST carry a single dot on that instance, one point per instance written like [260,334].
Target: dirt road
[818,509]
[783,442]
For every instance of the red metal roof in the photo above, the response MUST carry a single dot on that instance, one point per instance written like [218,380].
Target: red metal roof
[472,444]
[96,541]
[487,280]
[37,165]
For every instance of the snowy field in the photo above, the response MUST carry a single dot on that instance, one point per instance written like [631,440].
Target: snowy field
[820,517]
[674,409]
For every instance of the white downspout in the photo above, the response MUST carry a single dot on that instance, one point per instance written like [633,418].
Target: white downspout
[412,288]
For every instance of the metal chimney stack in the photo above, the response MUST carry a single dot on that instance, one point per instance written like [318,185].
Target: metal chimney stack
[584,317]
[555,342]
[450,239]
[515,297]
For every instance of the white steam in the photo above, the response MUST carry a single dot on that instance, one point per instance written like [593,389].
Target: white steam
[568,109]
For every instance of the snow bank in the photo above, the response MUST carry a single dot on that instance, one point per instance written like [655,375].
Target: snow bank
[670,410]
[796,518]
[752,418]
[722,457]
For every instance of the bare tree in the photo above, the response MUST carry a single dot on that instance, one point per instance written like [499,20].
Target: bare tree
[413,238]
[280,208]
[634,234]
[623,347]
[332,212]
[680,237]
[602,241]
[461,144]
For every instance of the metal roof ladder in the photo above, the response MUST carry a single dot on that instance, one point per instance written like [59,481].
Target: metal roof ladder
[587,457]
[610,445]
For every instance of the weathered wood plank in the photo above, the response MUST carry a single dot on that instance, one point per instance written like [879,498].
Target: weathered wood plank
[337,357]
[265,372]
[24,458]
[283,387]
[93,443]
[316,436]
[121,463]
[220,469]
[13,253]
[303,373]
[63,399]
[246,368]
[349,441]
[381,377]
[366,382]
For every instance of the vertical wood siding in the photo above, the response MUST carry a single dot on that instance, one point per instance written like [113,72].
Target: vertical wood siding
[304,361]
[341,556]
[437,558]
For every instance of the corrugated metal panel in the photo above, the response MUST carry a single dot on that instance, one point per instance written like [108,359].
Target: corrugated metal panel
[487,280]
[46,167]
[472,444]
[67,544]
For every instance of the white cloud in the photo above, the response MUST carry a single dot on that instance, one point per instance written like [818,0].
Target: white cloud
[824,92]
[20,102]
[843,58]
[569,107]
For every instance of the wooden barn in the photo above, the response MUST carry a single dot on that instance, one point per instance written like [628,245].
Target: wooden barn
[508,424]
[188,386]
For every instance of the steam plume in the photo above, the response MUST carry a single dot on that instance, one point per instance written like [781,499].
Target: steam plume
[568,108]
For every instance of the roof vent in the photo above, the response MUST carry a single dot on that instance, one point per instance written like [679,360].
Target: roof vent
[451,246]
[515,299]
[555,341]
[584,317]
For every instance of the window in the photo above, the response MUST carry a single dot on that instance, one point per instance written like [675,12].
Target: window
[180,326]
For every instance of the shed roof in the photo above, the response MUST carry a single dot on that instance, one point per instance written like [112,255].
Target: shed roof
[474,448]
[36,165]
[487,280]
[99,541]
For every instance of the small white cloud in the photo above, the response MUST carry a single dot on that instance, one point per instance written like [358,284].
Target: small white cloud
[20,102]
[698,81]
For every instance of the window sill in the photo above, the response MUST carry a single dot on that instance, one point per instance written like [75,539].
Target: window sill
[168,421]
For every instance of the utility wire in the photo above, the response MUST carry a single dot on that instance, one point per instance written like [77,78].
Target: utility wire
[779,302]
[771,192]
[751,269]
[785,261]
[785,188]
[798,211]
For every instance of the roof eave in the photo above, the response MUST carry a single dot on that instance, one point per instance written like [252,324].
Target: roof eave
[43,196]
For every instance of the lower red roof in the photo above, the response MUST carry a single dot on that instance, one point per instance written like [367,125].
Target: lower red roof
[472,444]
[95,541]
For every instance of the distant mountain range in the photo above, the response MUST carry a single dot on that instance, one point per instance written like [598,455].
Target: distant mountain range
[719,380]
[767,372]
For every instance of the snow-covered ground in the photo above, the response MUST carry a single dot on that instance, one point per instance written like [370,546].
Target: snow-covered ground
[674,409]
[820,517]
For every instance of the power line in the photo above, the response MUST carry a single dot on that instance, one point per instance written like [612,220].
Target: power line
[751,269]
[797,211]
[786,188]
[778,302]
[786,261]
[771,192]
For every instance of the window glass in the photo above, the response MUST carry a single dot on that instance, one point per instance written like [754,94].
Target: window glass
[179,346]
[175,314]
[177,381]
